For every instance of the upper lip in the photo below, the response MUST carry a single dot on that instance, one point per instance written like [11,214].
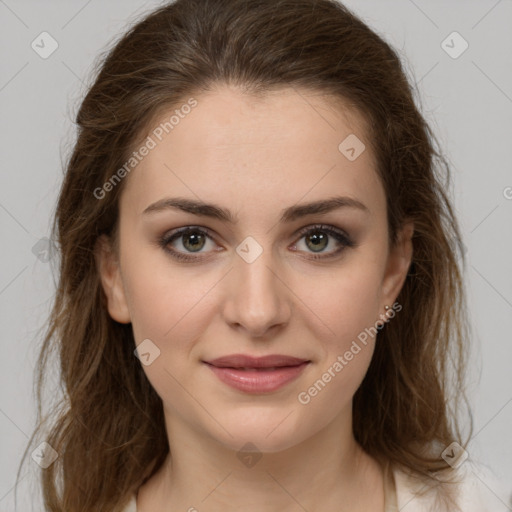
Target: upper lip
[244,361]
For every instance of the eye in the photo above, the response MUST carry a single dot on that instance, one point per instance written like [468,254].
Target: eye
[316,238]
[193,239]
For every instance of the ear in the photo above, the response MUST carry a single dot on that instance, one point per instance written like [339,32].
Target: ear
[110,275]
[399,261]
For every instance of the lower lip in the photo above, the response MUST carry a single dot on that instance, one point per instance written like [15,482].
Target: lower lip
[258,381]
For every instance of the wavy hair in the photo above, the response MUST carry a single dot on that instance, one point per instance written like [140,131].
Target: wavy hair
[108,426]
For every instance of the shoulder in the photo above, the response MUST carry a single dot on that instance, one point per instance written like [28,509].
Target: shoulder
[472,489]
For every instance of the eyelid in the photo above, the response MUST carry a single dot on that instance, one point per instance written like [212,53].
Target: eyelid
[322,227]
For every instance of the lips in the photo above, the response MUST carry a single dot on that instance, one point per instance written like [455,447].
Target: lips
[257,374]
[241,361]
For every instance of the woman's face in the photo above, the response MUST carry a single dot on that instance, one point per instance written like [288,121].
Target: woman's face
[258,279]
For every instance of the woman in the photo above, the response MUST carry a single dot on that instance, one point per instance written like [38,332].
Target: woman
[260,304]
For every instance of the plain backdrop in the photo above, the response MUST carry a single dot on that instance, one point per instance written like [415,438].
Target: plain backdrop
[466,96]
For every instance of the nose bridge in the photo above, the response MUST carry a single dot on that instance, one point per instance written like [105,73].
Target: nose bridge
[258,299]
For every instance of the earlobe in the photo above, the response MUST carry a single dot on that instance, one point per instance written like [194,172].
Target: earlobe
[399,261]
[110,277]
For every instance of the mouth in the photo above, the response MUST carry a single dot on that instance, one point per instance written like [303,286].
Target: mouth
[269,362]
[257,375]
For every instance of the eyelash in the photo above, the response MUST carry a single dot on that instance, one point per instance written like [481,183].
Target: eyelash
[338,235]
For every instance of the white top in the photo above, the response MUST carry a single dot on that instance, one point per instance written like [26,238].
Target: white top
[475,494]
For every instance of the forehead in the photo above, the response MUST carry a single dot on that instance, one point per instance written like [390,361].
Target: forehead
[266,150]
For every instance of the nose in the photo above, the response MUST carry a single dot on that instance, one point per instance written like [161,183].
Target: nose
[257,298]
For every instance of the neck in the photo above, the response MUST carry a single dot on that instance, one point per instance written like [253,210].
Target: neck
[325,472]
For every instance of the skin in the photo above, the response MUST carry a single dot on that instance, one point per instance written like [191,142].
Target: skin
[255,157]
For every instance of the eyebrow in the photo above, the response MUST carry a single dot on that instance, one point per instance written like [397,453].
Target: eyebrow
[288,214]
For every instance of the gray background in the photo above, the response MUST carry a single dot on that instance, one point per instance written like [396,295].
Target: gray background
[467,100]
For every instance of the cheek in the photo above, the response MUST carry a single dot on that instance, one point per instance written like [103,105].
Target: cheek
[348,305]
[345,301]
[343,307]
[166,303]
[172,311]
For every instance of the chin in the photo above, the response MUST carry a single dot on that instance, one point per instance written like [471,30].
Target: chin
[270,431]
[258,442]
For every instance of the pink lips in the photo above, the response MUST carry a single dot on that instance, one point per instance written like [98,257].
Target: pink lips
[257,374]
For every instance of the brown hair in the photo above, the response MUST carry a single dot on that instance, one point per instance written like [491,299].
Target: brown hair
[108,428]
